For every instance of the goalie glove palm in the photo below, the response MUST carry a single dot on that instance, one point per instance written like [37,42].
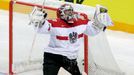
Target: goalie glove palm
[101,17]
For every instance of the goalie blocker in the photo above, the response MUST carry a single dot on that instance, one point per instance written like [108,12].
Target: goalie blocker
[37,16]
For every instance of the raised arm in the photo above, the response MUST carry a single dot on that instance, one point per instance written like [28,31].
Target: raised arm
[38,20]
[100,21]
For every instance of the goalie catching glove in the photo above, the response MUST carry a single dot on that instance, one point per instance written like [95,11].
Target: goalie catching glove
[37,17]
[101,17]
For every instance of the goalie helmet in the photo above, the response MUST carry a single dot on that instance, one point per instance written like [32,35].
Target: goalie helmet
[66,13]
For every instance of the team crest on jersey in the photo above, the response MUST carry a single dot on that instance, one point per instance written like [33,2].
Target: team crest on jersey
[73,37]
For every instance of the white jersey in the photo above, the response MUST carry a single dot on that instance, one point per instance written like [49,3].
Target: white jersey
[65,39]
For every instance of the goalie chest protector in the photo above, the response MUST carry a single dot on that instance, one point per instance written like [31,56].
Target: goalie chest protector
[65,39]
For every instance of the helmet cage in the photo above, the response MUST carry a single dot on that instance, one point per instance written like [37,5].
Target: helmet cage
[66,12]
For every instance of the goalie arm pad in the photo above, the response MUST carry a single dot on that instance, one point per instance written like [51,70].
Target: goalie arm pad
[45,28]
[91,29]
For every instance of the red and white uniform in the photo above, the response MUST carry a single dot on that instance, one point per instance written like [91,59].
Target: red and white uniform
[65,39]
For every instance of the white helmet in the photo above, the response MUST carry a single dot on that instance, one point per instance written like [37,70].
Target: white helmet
[66,13]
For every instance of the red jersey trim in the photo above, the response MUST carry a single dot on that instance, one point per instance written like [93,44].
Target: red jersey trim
[66,37]
[62,24]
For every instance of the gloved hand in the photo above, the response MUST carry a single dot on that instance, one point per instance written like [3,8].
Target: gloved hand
[37,16]
[101,17]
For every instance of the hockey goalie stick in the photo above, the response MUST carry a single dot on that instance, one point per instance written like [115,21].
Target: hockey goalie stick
[28,65]
[33,42]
